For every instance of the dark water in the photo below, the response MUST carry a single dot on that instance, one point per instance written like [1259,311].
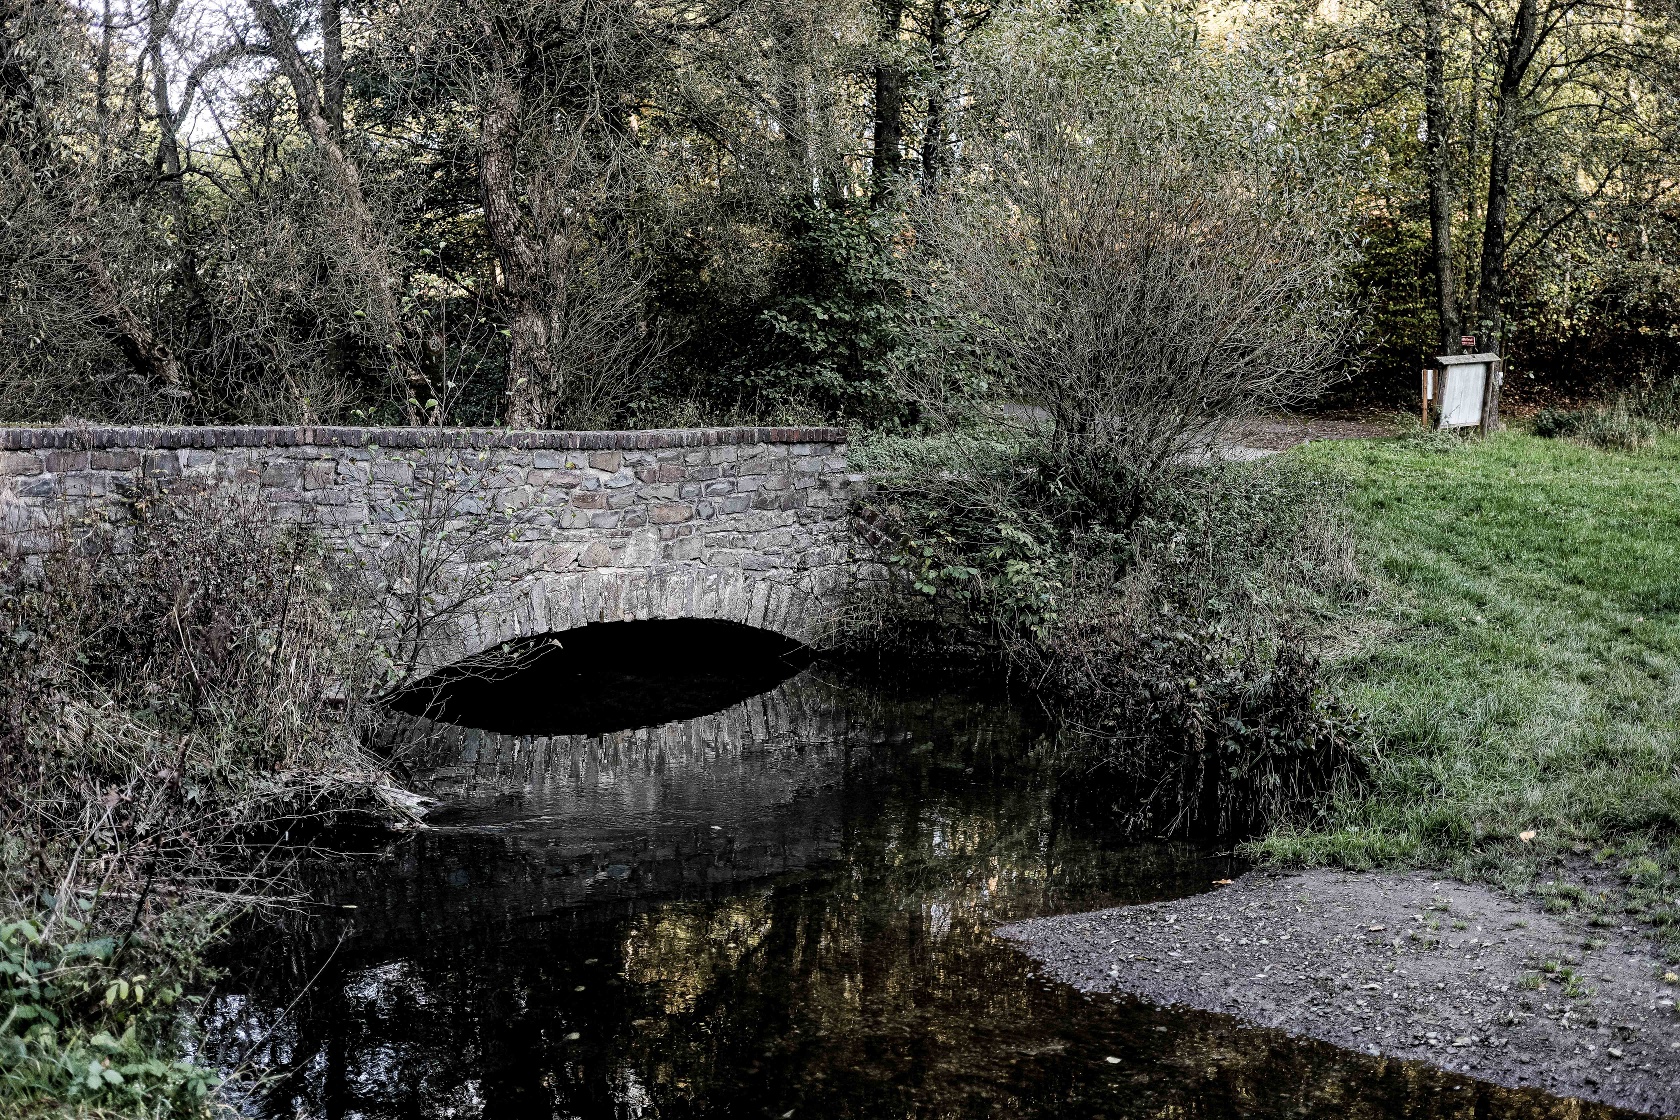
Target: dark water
[777,910]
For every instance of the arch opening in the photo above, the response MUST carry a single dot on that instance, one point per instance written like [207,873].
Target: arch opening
[607,676]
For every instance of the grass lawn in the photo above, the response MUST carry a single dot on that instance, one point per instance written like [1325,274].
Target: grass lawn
[1520,665]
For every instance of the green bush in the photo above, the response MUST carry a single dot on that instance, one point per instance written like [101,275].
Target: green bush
[83,1030]
[1175,651]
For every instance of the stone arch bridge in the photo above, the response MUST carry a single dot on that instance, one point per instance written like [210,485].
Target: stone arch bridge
[748,525]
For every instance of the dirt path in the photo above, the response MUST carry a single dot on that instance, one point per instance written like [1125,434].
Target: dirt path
[1407,966]
[1283,433]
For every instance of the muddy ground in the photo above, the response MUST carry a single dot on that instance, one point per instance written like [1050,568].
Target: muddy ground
[1408,966]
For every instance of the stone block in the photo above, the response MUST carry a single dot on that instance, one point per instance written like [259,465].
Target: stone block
[606,519]
[589,499]
[338,515]
[609,461]
[19,517]
[619,480]
[319,473]
[282,473]
[59,462]
[520,497]
[38,486]
[15,464]
[562,479]
[670,513]
[685,550]
[331,496]
[85,484]
[161,464]
[597,555]
[557,461]
[394,471]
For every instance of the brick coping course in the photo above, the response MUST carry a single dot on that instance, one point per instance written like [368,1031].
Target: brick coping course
[94,437]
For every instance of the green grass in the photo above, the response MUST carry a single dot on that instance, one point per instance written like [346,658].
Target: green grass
[1520,665]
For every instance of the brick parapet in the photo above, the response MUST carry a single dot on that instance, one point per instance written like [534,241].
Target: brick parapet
[101,438]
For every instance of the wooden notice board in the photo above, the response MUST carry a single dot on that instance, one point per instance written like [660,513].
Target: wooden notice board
[1465,390]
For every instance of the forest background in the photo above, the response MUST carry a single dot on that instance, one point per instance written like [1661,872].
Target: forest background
[586,213]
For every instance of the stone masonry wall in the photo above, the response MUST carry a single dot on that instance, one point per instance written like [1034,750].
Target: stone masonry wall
[744,524]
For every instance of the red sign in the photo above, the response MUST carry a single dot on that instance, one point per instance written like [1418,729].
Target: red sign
[1467,341]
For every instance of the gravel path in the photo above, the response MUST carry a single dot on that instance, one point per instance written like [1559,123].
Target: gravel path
[1407,966]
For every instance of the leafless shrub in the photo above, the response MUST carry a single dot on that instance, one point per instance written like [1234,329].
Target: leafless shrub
[180,693]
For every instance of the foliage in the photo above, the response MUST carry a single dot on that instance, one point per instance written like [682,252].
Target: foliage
[79,1033]
[837,323]
[1570,275]
[1176,652]
[1613,427]
[1145,270]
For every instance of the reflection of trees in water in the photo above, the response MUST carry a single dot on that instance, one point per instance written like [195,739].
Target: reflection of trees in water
[864,982]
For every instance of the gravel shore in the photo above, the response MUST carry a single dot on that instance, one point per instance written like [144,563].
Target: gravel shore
[1407,966]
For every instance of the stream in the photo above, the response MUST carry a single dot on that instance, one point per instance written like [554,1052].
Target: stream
[778,908]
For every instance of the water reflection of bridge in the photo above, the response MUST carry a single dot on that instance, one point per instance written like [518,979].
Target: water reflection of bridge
[532,824]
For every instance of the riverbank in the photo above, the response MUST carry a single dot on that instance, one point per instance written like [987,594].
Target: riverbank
[1409,965]
[1519,670]
[1519,674]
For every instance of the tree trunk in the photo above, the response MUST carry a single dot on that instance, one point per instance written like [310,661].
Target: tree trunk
[1519,54]
[531,371]
[102,86]
[169,164]
[365,242]
[1508,106]
[889,100]
[332,67]
[933,132]
[1440,181]
[145,354]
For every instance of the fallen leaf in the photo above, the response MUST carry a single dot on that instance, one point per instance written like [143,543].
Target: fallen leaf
[1527,835]
[1223,882]
[1112,1060]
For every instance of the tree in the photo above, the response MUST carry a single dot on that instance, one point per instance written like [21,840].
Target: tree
[1151,250]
